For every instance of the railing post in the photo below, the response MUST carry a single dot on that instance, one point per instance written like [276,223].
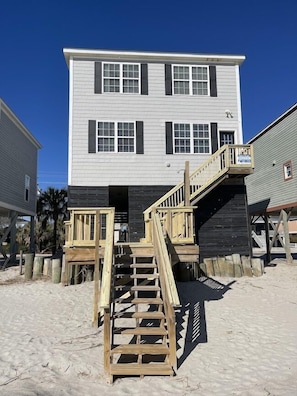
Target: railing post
[187,184]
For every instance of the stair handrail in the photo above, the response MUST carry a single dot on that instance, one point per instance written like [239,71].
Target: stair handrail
[105,292]
[218,164]
[164,263]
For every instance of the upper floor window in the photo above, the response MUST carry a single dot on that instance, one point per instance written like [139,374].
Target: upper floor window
[288,170]
[121,77]
[190,80]
[27,188]
[117,137]
[191,138]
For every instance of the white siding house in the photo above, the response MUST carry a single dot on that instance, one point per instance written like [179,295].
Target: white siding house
[136,117]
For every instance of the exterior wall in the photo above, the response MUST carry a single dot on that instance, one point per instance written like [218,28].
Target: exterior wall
[266,187]
[154,166]
[222,223]
[18,157]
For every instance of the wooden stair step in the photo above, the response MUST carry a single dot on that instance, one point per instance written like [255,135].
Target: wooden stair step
[140,315]
[144,276]
[154,331]
[143,265]
[145,288]
[156,300]
[141,369]
[141,349]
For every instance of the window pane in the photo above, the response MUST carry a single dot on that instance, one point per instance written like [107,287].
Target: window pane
[106,144]
[199,73]
[181,87]
[125,145]
[126,129]
[130,71]
[200,88]
[111,85]
[130,86]
[181,73]
[111,70]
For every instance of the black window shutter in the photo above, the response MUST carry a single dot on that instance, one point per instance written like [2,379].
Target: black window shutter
[213,81]
[214,136]
[139,137]
[98,77]
[92,136]
[169,140]
[168,79]
[144,79]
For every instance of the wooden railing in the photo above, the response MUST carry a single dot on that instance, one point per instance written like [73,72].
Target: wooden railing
[168,286]
[81,229]
[105,291]
[176,223]
[228,159]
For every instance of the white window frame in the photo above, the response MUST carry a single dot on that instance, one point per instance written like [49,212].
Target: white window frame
[121,78]
[27,188]
[116,137]
[191,80]
[191,138]
[288,170]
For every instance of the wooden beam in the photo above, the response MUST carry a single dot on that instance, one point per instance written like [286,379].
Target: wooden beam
[187,184]
[266,223]
[287,236]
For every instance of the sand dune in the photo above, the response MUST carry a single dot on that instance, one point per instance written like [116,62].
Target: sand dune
[235,337]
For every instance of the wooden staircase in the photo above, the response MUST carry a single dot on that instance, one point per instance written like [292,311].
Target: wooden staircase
[139,335]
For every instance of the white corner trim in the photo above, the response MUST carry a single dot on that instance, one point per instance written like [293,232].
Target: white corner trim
[70,123]
[239,112]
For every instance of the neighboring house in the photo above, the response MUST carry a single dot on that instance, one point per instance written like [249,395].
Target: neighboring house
[135,118]
[18,164]
[273,186]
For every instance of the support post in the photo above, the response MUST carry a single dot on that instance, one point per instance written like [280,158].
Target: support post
[187,184]
[96,270]
[268,251]
[287,236]
[32,239]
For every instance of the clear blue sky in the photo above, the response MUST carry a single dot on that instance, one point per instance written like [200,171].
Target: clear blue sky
[34,76]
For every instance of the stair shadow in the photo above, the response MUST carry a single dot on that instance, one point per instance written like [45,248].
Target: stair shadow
[191,328]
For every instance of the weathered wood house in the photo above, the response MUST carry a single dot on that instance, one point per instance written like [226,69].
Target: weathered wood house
[273,185]
[18,164]
[135,118]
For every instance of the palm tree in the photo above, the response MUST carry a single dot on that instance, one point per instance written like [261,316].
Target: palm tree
[52,206]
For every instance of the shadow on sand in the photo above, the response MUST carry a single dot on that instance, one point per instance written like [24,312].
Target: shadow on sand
[191,328]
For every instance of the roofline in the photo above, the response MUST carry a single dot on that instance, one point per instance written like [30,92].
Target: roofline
[7,110]
[275,122]
[149,55]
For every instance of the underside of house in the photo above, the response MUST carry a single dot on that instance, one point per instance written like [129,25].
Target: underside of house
[135,291]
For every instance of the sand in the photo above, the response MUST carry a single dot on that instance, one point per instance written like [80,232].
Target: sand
[236,337]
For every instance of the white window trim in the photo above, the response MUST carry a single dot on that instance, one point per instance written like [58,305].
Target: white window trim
[121,78]
[190,80]
[285,168]
[191,123]
[27,188]
[116,137]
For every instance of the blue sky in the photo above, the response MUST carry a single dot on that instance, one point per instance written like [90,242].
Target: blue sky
[34,75]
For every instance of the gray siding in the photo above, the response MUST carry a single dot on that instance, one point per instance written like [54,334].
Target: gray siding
[154,167]
[18,157]
[266,187]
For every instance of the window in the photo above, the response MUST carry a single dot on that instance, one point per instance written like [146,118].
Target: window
[288,170]
[118,137]
[121,77]
[27,188]
[226,137]
[190,80]
[191,138]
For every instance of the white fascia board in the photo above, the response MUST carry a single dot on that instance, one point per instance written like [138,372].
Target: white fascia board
[18,123]
[151,56]
[70,123]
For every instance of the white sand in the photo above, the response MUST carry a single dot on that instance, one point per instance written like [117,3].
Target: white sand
[241,340]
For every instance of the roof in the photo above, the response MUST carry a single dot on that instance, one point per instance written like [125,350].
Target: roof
[118,55]
[275,122]
[18,123]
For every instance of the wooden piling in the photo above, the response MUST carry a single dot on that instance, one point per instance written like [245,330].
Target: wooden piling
[29,258]
[56,270]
